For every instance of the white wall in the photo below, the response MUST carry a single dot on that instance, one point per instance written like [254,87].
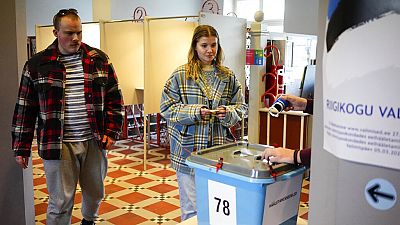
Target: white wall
[41,12]
[123,9]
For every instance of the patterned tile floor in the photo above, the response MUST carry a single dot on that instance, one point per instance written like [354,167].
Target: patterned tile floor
[133,196]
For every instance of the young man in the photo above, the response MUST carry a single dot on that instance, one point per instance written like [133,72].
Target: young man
[71,91]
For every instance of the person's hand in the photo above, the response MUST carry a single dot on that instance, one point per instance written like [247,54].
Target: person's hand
[108,142]
[22,161]
[219,112]
[295,103]
[278,155]
[204,112]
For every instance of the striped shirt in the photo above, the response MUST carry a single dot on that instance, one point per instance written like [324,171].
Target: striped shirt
[76,122]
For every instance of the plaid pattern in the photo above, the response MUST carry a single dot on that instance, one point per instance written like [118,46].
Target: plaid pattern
[41,98]
[180,105]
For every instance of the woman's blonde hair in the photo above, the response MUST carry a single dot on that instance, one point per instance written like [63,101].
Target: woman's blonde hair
[194,66]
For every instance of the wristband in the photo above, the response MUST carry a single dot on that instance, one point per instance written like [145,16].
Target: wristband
[295,158]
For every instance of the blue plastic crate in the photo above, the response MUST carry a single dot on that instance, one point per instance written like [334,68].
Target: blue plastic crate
[237,193]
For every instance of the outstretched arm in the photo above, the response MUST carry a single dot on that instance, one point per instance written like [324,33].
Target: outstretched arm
[295,103]
[285,155]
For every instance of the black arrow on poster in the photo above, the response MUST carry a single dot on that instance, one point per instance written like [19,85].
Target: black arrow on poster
[374,193]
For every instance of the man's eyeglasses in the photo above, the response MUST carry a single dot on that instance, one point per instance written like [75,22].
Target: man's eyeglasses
[64,12]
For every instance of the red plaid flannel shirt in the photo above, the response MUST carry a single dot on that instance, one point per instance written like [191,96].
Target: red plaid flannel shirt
[41,99]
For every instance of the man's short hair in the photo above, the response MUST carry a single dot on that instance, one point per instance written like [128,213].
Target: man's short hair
[64,12]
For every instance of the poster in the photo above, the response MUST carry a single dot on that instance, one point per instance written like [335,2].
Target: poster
[361,78]
[254,57]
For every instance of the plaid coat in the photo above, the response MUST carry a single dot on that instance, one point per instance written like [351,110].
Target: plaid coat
[180,105]
[41,99]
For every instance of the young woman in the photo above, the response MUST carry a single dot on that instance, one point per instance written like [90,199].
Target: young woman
[200,101]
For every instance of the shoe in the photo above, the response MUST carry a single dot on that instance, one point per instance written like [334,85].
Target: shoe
[85,222]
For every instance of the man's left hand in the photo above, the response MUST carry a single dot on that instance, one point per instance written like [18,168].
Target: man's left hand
[108,142]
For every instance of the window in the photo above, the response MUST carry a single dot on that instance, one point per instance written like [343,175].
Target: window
[274,9]
[274,12]
[247,8]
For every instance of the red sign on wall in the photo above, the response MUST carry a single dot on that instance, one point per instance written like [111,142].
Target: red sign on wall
[254,57]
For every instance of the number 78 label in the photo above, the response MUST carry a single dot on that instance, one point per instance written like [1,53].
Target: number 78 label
[221,203]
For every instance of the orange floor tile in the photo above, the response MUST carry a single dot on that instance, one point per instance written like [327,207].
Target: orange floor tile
[133,196]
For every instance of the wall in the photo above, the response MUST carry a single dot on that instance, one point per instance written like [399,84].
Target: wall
[16,186]
[301,17]
[123,9]
[324,165]
[41,12]
[338,186]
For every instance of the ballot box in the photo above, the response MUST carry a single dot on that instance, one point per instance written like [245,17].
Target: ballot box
[235,186]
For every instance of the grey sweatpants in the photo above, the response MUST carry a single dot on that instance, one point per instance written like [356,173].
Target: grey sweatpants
[83,162]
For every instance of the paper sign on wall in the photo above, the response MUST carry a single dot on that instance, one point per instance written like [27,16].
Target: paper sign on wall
[361,89]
